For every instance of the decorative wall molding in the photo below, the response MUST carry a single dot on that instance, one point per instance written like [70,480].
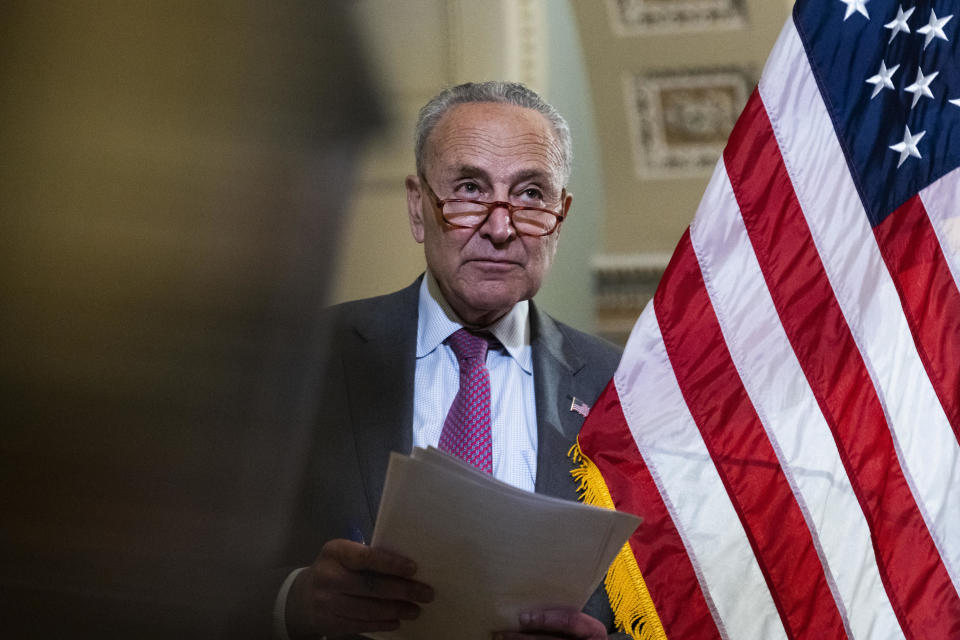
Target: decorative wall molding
[424,45]
[503,40]
[525,25]
[680,121]
[623,285]
[639,17]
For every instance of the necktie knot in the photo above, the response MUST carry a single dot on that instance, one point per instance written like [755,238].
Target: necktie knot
[469,346]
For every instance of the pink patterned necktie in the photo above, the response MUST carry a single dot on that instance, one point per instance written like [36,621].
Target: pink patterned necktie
[466,431]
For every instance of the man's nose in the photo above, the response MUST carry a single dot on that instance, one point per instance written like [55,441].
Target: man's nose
[498,226]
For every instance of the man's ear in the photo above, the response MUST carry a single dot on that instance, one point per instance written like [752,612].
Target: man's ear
[415,207]
[565,206]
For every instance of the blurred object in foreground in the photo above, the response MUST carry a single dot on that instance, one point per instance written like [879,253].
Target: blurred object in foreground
[172,179]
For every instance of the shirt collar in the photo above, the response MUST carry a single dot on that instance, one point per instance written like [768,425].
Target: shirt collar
[437,321]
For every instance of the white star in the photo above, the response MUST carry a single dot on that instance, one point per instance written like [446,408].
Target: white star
[883,79]
[956,102]
[921,87]
[908,147]
[899,24]
[934,28]
[856,5]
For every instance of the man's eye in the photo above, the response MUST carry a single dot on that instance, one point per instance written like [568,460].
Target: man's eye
[469,188]
[533,194]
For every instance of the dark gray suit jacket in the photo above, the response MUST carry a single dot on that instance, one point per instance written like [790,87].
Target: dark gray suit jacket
[366,411]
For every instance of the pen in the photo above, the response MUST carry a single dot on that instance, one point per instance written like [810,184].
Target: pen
[356,535]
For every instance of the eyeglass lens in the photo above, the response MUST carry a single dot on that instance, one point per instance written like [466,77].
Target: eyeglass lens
[525,221]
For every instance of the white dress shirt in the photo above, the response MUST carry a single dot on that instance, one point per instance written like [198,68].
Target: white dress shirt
[513,411]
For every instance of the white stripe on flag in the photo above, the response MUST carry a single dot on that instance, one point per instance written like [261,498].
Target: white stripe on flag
[865,292]
[681,466]
[941,200]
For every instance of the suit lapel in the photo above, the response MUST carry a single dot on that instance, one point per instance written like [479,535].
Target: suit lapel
[380,375]
[555,365]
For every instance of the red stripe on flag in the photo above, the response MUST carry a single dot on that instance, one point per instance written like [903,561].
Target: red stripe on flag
[929,297]
[656,545]
[741,452]
[913,574]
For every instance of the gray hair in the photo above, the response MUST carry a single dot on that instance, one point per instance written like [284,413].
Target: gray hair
[493,91]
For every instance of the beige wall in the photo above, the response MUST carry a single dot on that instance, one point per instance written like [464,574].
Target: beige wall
[648,213]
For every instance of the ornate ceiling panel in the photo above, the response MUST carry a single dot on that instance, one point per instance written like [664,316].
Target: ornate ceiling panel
[634,17]
[680,120]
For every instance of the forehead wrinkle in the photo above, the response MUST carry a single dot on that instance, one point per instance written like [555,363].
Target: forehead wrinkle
[523,148]
[482,138]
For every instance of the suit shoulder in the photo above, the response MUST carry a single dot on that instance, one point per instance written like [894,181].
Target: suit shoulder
[591,345]
[601,354]
[377,309]
[362,307]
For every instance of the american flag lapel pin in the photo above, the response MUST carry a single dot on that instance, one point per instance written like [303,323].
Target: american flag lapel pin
[579,406]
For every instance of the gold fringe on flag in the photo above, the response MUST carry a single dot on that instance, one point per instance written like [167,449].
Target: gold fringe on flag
[633,609]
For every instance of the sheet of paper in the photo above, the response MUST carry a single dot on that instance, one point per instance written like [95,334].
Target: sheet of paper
[489,550]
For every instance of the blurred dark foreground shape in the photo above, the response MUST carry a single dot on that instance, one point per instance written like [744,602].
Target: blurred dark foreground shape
[171,179]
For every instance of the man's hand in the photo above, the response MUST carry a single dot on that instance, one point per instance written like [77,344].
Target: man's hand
[550,624]
[352,588]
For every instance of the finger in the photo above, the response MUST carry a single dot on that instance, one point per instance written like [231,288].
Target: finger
[376,585]
[374,609]
[562,622]
[339,626]
[360,557]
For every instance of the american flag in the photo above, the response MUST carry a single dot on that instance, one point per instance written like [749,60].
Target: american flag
[579,406]
[786,416]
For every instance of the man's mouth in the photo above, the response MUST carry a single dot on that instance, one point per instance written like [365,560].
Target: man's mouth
[493,263]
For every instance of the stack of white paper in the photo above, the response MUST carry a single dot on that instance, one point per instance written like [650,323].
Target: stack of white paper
[489,550]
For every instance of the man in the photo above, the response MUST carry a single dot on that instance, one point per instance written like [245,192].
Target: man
[487,203]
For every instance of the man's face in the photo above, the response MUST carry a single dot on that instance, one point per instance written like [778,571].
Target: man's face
[488,151]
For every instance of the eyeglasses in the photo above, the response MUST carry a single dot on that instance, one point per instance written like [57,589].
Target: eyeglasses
[470,214]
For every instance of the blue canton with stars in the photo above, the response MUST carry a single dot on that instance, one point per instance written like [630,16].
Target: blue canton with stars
[890,78]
